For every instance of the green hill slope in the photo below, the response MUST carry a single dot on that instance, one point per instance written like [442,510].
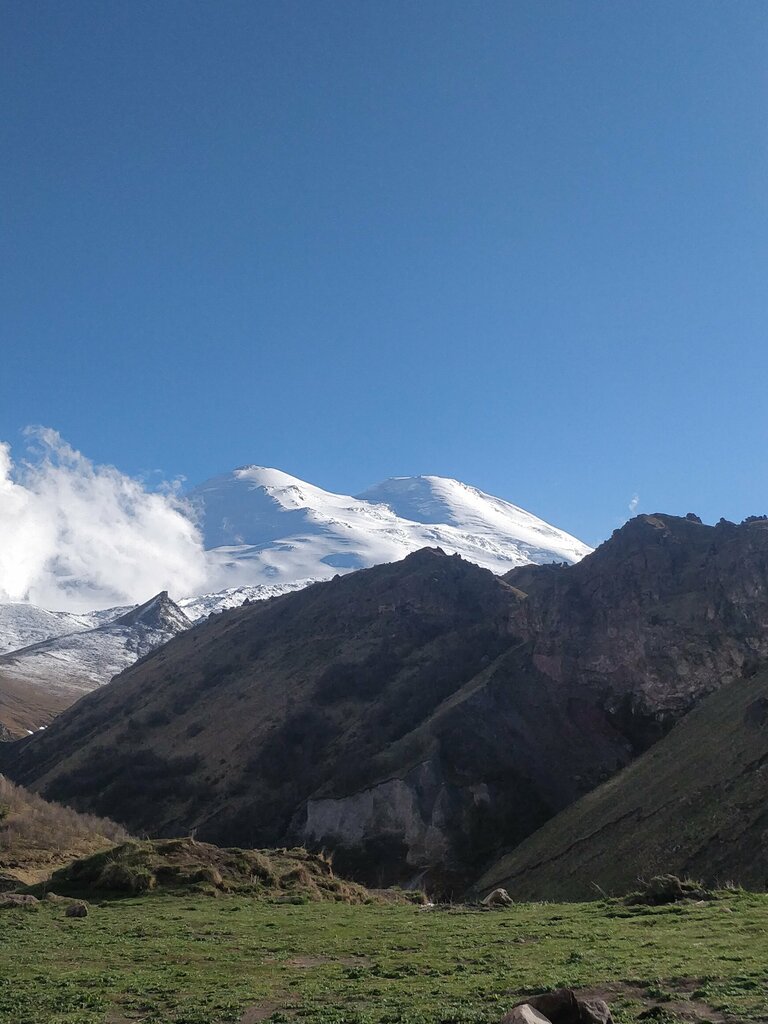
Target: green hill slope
[695,804]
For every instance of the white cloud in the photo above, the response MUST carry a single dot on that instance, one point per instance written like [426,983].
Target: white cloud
[76,536]
[634,503]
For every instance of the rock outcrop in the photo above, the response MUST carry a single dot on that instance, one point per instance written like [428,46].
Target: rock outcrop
[663,613]
[559,1006]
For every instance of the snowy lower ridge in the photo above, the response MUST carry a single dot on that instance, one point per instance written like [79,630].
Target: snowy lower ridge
[198,608]
[39,680]
[24,624]
[77,662]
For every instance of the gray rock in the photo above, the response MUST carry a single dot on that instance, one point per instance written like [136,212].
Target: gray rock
[594,1011]
[76,910]
[9,900]
[498,898]
[560,1006]
[9,882]
[524,1014]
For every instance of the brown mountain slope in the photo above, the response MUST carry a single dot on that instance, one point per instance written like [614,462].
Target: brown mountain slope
[695,804]
[393,714]
[419,715]
[36,836]
[25,707]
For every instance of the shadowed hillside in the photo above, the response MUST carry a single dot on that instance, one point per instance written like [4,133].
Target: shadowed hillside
[693,805]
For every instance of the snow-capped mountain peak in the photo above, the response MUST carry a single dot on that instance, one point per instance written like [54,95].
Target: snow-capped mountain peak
[252,505]
[262,526]
[439,499]
[265,533]
[283,487]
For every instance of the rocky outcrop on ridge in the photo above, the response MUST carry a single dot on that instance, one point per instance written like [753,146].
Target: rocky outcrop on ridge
[663,613]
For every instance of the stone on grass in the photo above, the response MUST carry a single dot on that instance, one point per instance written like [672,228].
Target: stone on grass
[9,882]
[10,900]
[524,1014]
[562,1006]
[78,909]
[594,1011]
[559,1006]
[498,898]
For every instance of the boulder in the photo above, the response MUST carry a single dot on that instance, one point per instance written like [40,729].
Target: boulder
[9,882]
[497,898]
[524,1013]
[10,900]
[594,1011]
[78,909]
[562,1006]
[559,1006]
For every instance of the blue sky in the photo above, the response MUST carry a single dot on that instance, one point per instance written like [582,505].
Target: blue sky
[520,243]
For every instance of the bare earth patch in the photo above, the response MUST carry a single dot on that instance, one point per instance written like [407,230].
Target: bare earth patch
[686,1009]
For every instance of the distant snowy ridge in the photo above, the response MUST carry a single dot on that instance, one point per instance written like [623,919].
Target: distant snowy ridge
[79,661]
[197,608]
[23,624]
[438,500]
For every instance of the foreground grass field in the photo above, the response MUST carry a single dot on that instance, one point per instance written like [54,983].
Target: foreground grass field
[198,960]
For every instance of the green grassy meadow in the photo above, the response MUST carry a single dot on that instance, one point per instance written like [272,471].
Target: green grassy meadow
[193,959]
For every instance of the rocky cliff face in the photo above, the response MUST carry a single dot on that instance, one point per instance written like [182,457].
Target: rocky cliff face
[665,612]
[417,717]
[500,755]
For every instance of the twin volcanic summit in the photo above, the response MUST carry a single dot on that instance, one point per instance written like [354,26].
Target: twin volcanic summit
[266,533]
[431,718]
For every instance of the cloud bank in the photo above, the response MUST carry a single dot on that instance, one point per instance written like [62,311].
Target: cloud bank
[75,536]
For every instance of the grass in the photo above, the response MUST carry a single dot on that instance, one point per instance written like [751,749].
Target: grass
[191,959]
[143,865]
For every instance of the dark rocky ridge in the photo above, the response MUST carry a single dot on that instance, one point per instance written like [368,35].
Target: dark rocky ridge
[420,716]
[665,612]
